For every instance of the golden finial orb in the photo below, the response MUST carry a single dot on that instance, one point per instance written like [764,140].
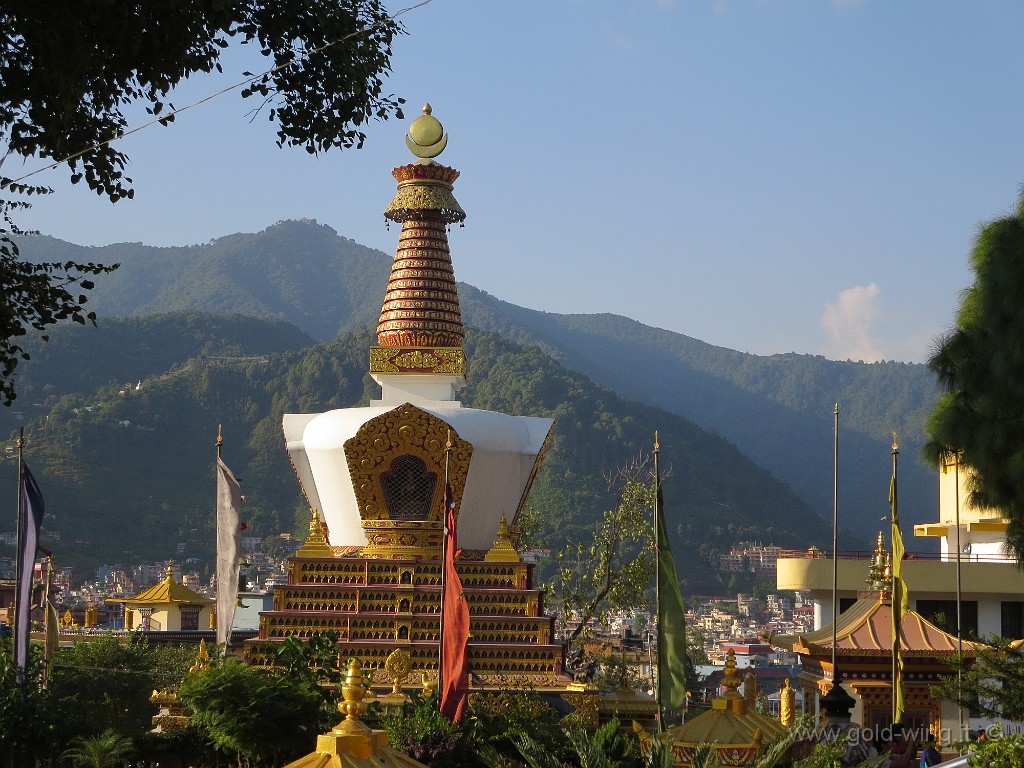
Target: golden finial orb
[426,137]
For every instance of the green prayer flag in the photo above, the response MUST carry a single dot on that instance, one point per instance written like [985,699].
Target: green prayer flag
[671,618]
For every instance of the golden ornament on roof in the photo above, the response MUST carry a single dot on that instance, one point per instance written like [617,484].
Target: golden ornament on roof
[426,137]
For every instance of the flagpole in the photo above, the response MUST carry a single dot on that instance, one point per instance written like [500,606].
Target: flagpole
[897,599]
[657,588]
[444,567]
[959,626]
[17,514]
[20,543]
[835,537]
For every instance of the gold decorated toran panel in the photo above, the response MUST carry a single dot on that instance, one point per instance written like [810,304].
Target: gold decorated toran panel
[404,431]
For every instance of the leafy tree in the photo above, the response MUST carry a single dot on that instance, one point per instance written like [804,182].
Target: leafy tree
[103,751]
[251,714]
[980,418]
[1007,751]
[991,685]
[104,685]
[615,571]
[67,79]
[24,721]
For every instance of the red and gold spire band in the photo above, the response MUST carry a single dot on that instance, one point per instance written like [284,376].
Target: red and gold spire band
[421,305]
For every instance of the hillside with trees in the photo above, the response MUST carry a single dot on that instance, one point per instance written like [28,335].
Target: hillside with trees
[128,473]
[776,409]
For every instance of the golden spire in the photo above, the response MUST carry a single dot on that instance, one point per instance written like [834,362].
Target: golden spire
[502,550]
[877,576]
[731,700]
[421,305]
[169,576]
[202,662]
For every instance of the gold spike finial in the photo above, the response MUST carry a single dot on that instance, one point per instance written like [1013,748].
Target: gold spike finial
[352,706]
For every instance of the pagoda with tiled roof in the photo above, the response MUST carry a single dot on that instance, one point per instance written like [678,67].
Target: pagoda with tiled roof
[375,475]
[863,651]
[167,606]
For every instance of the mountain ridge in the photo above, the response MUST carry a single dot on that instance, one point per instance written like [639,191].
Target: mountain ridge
[777,409]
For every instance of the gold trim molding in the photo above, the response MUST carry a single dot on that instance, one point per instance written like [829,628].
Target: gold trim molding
[428,360]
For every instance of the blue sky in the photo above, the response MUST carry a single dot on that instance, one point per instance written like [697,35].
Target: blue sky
[765,175]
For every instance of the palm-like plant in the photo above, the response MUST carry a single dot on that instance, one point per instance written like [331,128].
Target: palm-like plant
[103,751]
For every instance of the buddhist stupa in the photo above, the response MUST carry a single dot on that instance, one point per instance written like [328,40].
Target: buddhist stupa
[375,477]
[371,471]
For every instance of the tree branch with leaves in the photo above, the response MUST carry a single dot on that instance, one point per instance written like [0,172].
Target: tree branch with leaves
[67,80]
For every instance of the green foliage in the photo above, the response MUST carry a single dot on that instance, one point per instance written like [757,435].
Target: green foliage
[105,685]
[36,296]
[154,445]
[422,732]
[104,750]
[978,364]
[1002,752]
[992,684]
[496,720]
[775,409]
[616,570]
[67,82]
[25,716]
[252,714]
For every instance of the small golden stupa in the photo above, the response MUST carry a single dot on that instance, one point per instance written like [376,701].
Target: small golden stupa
[736,731]
[352,743]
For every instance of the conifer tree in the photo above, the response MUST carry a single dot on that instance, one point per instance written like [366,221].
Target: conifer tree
[979,363]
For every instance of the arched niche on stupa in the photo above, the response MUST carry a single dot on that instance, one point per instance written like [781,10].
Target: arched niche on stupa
[397,465]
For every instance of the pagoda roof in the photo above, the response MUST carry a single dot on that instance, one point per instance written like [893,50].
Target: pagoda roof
[865,629]
[167,591]
[727,727]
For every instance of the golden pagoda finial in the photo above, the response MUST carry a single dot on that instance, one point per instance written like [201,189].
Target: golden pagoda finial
[169,575]
[426,138]
[731,681]
[502,550]
[352,707]
[876,571]
[202,662]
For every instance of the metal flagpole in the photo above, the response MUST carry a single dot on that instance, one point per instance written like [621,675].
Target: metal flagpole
[444,565]
[896,599]
[21,533]
[959,626]
[835,539]
[657,591]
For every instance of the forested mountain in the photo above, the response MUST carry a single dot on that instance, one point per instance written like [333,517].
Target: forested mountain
[128,472]
[776,409]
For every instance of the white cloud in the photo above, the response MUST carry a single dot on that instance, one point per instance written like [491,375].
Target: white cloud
[849,323]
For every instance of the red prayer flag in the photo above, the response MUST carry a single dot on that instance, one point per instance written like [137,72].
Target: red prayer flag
[455,623]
